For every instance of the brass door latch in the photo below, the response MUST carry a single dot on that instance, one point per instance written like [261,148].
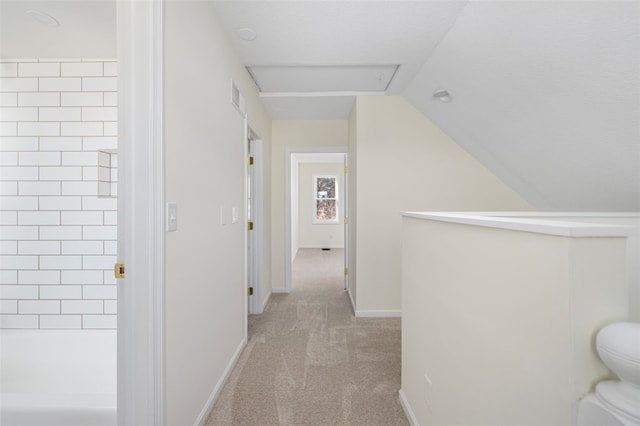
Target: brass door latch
[118,270]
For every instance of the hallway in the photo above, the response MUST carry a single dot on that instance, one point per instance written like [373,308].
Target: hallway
[309,361]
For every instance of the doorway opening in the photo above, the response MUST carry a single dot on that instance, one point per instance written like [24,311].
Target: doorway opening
[317,209]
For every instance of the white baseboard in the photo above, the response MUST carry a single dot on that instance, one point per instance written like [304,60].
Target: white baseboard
[393,313]
[264,304]
[279,290]
[353,305]
[322,246]
[407,409]
[206,410]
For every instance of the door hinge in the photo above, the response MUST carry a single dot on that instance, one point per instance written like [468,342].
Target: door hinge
[251,161]
[346,220]
[345,170]
[118,270]
[250,291]
[249,226]
[346,271]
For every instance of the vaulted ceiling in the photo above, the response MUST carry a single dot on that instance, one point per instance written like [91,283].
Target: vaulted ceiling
[323,53]
[546,94]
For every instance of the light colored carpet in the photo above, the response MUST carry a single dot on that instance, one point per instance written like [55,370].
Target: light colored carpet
[309,361]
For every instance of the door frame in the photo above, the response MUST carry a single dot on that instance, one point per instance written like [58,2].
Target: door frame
[140,28]
[290,151]
[346,221]
[255,305]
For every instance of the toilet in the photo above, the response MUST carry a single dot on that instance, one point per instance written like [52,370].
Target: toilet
[615,402]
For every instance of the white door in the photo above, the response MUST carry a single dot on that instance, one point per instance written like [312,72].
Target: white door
[251,243]
[255,227]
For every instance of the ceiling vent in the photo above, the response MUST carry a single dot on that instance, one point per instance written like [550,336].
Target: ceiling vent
[238,100]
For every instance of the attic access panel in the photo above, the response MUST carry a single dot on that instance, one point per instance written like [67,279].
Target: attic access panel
[353,78]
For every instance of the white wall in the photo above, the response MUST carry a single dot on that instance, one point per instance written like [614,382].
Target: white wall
[287,134]
[314,235]
[205,291]
[633,249]
[508,338]
[406,163]
[57,237]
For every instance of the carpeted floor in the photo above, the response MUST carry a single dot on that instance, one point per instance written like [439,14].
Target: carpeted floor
[309,361]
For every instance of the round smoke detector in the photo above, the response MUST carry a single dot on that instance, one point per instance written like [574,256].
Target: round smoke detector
[442,95]
[246,34]
[43,18]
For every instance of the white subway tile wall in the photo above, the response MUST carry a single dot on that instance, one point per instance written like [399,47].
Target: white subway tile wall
[57,236]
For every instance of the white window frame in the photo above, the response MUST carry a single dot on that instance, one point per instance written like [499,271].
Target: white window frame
[314,200]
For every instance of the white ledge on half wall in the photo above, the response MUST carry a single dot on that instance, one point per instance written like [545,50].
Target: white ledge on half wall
[536,222]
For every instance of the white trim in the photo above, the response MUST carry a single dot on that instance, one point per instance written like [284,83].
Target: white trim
[266,301]
[530,213]
[315,246]
[215,393]
[280,291]
[406,407]
[261,225]
[391,313]
[287,195]
[158,195]
[538,226]
[245,233]
[345,220]
[257,235]
[321,94]
[315,199]
[353,305]
[141,213]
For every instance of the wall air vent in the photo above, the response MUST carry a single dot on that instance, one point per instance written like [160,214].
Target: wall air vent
[238,100]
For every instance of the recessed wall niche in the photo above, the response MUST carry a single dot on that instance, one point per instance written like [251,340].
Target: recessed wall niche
[107,173]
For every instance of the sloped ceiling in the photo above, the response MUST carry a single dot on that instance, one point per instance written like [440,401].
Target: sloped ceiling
[547,96]
[544,93]
[298,36]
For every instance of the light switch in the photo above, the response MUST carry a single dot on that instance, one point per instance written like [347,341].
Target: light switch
[234,214]
[172,217]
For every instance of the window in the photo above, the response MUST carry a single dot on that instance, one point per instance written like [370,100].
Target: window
[326,199]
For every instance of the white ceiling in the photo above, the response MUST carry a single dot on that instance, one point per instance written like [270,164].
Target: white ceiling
[87,29]
[295,37]
[324,78]
[545,93]
[547,96]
